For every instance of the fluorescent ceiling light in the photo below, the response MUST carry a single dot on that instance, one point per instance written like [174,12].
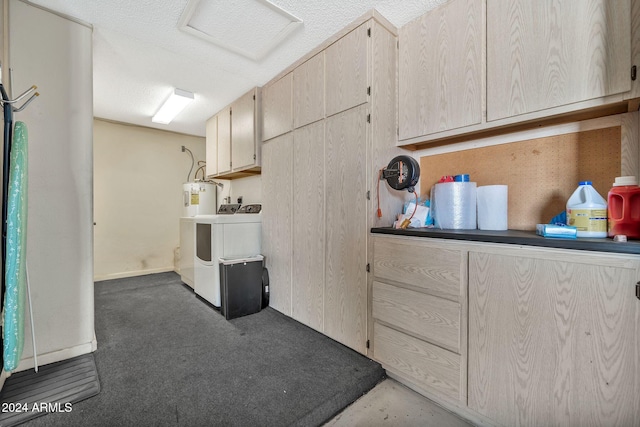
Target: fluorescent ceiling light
[172,106]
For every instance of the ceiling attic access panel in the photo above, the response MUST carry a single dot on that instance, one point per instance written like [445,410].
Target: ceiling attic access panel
[251,28]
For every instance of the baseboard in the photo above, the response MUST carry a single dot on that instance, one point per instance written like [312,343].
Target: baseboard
[126,274]
[57,356]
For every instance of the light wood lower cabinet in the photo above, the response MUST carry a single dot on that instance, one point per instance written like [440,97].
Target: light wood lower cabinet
[431,318]
[553,338]
[308,226]
[510,335]
[276,219]
[345,304]
[428,365]
[419,312]
[332,180]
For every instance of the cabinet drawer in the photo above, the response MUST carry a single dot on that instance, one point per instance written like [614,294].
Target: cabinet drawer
[435,319]
[437,270]
[427,365]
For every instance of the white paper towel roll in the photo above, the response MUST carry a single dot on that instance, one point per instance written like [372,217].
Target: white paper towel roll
[455,205]
[492,207]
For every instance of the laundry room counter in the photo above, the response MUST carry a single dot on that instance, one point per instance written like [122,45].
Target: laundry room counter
[517,237]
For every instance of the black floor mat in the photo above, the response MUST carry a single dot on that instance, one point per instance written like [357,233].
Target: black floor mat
[27,395]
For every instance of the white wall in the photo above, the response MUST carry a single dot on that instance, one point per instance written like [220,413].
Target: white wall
[138,177]
[56,55]
[249,188]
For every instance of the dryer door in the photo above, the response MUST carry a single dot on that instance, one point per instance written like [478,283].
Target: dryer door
[203,242]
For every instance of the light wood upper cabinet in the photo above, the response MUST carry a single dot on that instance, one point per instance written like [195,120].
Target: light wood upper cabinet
[212,145]
[277,113]
[440,70]
[635,47]
[238,139]
[554,338]
[308,91]
[347,71]
[244,140]
[308,226]
[276,219]
[545,54]
[224,141]
[474,68]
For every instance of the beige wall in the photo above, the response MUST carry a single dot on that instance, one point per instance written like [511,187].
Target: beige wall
[249,188]
[59,231]
[630,127]
[138,177]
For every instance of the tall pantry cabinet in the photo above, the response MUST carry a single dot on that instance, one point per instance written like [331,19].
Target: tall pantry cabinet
[336,108]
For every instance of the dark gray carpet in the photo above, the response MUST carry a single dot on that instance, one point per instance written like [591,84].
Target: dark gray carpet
[165,358]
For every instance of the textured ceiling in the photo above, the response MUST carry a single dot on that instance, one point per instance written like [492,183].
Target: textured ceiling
[140,55]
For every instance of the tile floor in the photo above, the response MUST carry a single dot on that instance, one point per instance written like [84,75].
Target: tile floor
[392,404]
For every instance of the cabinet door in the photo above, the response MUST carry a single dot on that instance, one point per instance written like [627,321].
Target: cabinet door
[308,91]
[308,226]
[543,54]
[224,140]
[440,70]
[553,341]
[277,115]
[347,71]
[212,145]
[243,135]
[276,219]
[345,304]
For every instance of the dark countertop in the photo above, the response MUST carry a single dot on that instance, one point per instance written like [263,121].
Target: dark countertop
[515,237]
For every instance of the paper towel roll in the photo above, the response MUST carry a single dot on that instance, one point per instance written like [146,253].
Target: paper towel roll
[492,207]
[455,205]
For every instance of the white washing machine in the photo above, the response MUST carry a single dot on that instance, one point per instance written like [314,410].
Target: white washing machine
[235,232]
[187,249]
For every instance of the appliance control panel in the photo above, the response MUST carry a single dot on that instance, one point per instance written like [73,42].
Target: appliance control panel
[228,209]
[250,209]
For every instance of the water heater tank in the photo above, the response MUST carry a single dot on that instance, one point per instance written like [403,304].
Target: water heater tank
[198,198]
